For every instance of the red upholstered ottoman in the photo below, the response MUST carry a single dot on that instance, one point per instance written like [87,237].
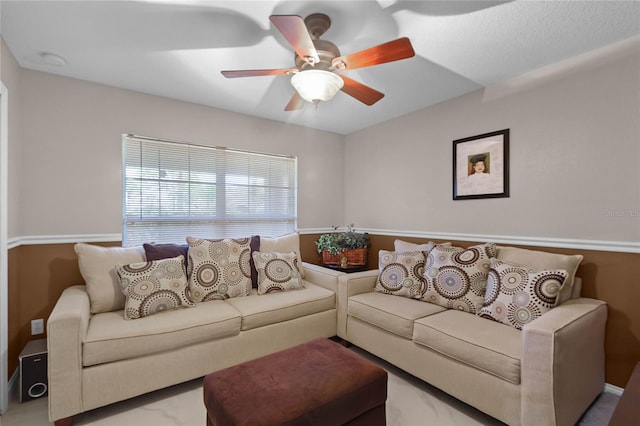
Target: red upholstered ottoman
[316,383]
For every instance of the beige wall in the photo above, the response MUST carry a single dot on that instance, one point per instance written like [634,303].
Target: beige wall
[10,76]
[71,138]
[575,155]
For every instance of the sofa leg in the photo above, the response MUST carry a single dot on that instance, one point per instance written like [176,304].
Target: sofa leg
[67,421]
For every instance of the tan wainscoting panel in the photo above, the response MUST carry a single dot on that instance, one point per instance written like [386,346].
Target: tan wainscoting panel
[609,276]
[39,273]
[37,276]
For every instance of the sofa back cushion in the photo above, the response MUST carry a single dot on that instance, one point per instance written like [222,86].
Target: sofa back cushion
[401,246]
[97,266]
[545,260]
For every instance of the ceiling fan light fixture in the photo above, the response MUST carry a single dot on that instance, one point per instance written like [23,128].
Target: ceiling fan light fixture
[316,85]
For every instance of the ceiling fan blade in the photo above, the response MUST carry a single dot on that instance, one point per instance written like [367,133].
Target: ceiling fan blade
[364,94]
[296,102]
[386,52]
[256,73]
[295,31]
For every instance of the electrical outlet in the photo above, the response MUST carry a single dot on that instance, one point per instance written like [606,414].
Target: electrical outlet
[37,326]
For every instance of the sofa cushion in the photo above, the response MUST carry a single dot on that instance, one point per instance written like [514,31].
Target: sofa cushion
[486,345]
[154,286]
[517,295]
[400,245]
[272,308]
[545,260]
[97,266]
[283,244]
[277,272]
[394,314]
[401,273]
[457,277]
[111,338]
[219,269]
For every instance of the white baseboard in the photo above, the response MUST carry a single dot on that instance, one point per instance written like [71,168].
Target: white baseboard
[616,390]
[14,386]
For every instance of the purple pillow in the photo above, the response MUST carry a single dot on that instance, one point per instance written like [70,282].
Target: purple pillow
[255,246]
[166,251]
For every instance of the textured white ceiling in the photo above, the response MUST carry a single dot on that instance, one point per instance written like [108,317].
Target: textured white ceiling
[177,48]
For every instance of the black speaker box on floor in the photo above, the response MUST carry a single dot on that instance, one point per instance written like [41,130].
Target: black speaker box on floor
[33,370]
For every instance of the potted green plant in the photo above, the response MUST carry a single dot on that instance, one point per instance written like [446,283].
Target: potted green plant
[343,248]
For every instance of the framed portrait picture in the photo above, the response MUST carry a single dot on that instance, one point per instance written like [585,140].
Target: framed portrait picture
[481,166]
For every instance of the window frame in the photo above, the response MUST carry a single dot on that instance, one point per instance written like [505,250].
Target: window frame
[171,227]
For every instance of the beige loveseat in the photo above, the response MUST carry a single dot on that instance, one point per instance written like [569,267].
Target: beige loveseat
[97,359]
[548,373]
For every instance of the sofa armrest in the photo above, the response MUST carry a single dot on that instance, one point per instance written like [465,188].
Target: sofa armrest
[562,368]
[350,285]
[324,277]
[66,330]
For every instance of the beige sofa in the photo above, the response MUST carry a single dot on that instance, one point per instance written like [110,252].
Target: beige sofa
[545,374]
[97,359]
[548,373]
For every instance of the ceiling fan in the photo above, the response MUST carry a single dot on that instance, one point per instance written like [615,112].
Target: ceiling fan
[316,62]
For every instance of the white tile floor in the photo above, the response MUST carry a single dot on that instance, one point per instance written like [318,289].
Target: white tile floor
[410,402]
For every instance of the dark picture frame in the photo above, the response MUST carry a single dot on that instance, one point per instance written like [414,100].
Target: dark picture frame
[481,166]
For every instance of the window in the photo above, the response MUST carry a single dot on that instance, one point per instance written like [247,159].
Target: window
[174,190]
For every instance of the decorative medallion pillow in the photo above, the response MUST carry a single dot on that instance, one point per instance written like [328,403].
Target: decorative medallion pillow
[516,295]
[219,269]
[457,277]
[277,272]
[401,273]
[153,287]
[283,244]
[98,269]
[545,260]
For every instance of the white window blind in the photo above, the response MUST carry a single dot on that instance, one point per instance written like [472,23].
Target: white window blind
[174,190]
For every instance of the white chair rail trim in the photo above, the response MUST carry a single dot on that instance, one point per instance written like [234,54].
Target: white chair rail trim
[598,245]
[63,239]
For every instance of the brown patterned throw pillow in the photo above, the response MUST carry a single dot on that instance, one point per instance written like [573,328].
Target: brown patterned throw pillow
[277,272]
[153,287]
[219,269]
[457,277]
[516,295]
[401,273]
[283,244]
